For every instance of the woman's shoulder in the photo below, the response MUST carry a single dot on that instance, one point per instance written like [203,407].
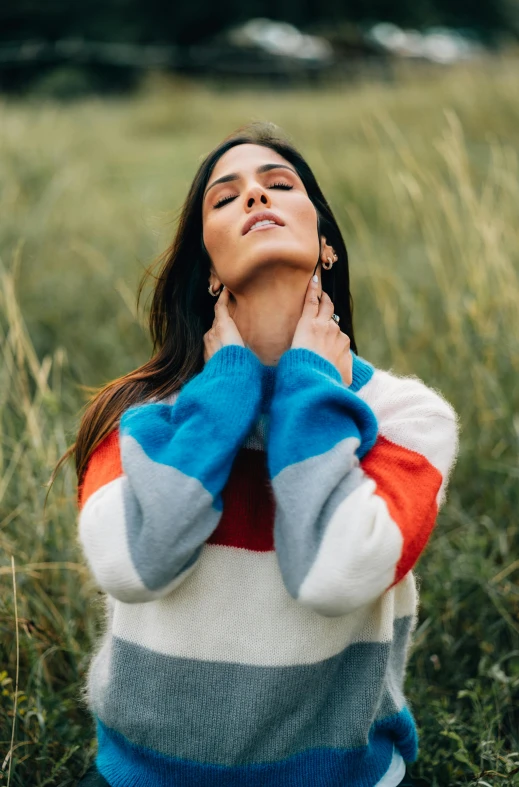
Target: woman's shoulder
[411,416]
[145,402]
[389,393]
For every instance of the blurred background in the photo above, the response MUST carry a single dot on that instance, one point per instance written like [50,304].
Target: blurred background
[67,49]
[408,113]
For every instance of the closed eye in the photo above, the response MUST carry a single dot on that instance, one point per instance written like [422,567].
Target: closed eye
[225,200]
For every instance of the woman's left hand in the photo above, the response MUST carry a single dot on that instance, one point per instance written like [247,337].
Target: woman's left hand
[317,331]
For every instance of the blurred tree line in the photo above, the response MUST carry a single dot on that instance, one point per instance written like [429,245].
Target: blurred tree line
[183,24]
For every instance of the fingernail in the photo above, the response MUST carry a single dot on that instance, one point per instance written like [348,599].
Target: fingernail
[223,286]
[315,278]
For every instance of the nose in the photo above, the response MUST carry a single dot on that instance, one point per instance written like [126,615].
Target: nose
[257,195]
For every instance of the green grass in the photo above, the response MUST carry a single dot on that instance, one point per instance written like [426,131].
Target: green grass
[423,176]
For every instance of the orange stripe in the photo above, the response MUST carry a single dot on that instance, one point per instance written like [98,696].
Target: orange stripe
[409,484]
[103,466]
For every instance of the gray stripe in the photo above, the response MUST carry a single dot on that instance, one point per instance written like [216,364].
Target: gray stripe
[395,676]
[395,673]
[169,516]
[257,437]
[307,495]
[233,714]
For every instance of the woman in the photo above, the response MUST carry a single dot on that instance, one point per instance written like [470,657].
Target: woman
[252,501]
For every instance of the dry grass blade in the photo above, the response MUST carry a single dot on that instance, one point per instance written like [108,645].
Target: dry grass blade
[9,756]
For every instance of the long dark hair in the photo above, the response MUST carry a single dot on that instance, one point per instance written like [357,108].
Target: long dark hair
[182,309]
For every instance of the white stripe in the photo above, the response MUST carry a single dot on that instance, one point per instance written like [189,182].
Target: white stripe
[235,608]
[396,772]
[103,536]
[415,417]
[357,557]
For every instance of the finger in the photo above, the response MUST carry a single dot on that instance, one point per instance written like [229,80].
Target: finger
[223,298]
[224,322]
[325,308]
[311,302]
[218,308]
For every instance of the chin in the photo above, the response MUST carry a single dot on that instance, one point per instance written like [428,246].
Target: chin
[275,256]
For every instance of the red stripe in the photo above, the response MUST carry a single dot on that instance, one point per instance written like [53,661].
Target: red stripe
[409,484]
[103,466]
[247,521]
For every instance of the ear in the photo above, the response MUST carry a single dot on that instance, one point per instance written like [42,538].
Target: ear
[215,282]
[327,251]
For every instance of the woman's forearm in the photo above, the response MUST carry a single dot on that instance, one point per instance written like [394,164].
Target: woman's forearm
[357,477]
[143,526]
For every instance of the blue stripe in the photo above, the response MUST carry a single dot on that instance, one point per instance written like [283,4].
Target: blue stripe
[124,765]
[202,431]
[312,410]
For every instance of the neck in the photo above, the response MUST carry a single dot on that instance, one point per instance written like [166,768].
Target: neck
[267,314]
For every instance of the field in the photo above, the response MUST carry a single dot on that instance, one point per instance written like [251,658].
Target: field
[422,173]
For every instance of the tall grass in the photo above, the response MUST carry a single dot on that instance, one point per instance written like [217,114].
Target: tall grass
[423,177]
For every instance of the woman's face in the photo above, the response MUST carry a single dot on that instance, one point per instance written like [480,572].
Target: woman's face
[248,181]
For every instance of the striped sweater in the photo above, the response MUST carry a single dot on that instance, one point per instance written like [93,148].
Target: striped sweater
[255,534]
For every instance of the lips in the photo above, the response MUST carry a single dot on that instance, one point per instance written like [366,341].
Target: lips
[264,215]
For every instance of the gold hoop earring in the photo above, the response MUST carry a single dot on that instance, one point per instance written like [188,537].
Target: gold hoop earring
[214,294]
[327,265]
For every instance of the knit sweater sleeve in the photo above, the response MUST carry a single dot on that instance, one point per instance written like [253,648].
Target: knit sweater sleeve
[151,494]
[358,478]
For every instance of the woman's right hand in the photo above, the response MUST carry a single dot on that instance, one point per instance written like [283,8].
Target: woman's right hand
[223,330]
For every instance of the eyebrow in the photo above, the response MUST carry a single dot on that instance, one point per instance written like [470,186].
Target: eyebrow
[259,171]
